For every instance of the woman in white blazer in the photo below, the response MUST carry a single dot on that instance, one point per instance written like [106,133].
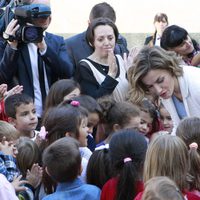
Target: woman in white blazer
[158,73]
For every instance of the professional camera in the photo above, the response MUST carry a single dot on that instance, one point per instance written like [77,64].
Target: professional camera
[25,15]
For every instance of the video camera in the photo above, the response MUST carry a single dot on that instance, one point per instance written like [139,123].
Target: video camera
[26,14]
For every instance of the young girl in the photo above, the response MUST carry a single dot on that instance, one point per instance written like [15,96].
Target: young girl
[99,168]
[116,116]
[63,121]
[94,115]
[162,188]
[150,121]
[166,119]
[61,90]
[127,153]
[167,155]
[29,166]
[189,131]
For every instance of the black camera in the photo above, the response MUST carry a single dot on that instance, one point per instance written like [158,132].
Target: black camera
[25,14]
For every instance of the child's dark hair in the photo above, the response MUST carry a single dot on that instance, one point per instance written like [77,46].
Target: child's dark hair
[62,119]
[89,103]
[189,131]
[127,153]
[58,121]
[28,154]
[14,101]
[63,160]
[98,168]
[58,90]
[117,112]
[148,107]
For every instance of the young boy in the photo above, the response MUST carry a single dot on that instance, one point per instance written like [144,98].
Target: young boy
[21,112]
[62,161]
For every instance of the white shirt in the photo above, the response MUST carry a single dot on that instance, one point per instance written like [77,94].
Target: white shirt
[32,48]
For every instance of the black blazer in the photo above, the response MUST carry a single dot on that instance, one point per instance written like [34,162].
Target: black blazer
[15,65]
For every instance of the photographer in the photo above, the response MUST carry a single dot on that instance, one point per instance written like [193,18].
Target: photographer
[35,65]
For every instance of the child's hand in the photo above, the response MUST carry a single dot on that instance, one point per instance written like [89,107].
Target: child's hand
[3,90]
[34,176]
[17,183]
[112,64]
[7,147]
[15,90]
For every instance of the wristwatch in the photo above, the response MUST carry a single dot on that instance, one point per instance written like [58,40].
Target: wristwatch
[8,37]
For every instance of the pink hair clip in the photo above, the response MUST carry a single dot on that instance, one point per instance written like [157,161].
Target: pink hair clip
[128,159]
[43,133]
[75,103]
[193,145]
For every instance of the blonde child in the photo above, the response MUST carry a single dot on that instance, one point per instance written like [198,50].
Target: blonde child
[161,188]
[189,131]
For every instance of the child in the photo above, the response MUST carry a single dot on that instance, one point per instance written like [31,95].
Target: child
[29,166]
[62,161]
[127,153]
[189,131]
[166,119]
[21,112]
[99,168]
[161,188]
[150,121]
[116,116]
[8,135]
[64,121]
[167,155]
[94,115]
[61,90]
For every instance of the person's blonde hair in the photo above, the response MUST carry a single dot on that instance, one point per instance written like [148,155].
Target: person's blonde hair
[8,131]
[167,155]
[150,58]
[161,188]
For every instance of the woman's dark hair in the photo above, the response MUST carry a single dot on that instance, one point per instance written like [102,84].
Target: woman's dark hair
[173,36]
[99,22]
[99,168]
[127,152]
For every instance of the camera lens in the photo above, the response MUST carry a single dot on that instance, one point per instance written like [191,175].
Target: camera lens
[32,34]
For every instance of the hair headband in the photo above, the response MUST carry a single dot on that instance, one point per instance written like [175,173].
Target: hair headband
[75,103]
[193,145]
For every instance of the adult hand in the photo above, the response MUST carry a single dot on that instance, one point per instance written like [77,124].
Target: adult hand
[42,46]
[11,30]
[112,64]
[128,60]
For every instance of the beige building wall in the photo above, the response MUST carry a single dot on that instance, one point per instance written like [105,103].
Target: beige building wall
[133,16]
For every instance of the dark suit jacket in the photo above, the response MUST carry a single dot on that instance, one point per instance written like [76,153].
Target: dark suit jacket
[78,47]
[15,65]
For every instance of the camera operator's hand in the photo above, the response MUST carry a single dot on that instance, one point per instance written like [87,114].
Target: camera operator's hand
[10,31]
[42,46]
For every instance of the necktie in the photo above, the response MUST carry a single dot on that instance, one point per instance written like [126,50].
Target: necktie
[41,77]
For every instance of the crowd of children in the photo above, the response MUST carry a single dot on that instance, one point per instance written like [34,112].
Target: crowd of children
[108,148]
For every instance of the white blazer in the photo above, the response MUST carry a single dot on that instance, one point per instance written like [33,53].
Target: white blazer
[190,89]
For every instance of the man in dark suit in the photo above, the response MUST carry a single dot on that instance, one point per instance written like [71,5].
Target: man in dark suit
[36,66]
[78,46]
